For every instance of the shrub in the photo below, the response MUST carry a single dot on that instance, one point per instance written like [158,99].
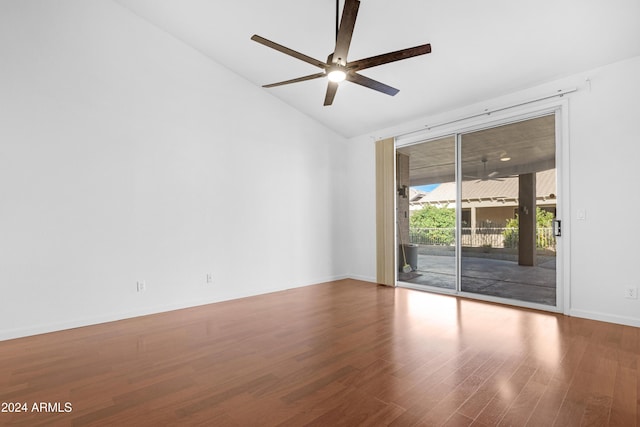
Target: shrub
[543,220]
[433,225]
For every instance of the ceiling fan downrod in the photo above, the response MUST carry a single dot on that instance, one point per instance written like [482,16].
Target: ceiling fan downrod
[337,20]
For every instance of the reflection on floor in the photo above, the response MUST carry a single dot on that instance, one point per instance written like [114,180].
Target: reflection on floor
[486,276]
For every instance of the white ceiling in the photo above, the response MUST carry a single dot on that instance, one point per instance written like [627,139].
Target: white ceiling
[480,49]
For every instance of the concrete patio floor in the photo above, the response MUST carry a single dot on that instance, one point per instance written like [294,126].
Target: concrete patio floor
[486,276]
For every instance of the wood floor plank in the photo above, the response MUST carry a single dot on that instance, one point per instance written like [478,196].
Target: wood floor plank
[590,394]
[340,353]
[525,403]
[474,405]
[384,417]
[493,413]
[625,399]
[463,387]
[458,420]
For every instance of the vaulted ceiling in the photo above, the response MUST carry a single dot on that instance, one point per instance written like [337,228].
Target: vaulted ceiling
[480,50]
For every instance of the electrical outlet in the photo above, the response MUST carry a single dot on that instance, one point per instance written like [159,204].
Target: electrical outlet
[209,278]
[141,286]
[631,292]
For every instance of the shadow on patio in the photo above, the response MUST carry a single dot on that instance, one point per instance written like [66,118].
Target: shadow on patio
[488,276]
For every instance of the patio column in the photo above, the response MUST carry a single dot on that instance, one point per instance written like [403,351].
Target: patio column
[527,219]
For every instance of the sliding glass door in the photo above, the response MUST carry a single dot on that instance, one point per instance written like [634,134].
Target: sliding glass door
[426,212]
[508,200]
[477,212]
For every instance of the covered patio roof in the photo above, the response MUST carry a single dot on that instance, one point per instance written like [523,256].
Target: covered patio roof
[530,146]
[503,189]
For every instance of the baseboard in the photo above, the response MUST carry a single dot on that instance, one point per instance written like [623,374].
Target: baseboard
[326,279]
[606,317]
[89,321]
[114,317]
[362,278]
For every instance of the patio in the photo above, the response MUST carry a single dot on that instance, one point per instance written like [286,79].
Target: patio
[488,276]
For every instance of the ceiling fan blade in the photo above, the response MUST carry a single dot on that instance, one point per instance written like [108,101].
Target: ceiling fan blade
[299,79]
[343,38]
[385,58]
[371,84]
[290,52]
[332,88]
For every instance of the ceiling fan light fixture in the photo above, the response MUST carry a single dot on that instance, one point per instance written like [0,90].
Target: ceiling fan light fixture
[336,75]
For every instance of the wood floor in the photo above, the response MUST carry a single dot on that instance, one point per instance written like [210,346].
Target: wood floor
[343,353]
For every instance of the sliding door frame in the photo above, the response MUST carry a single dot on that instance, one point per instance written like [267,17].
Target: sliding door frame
[559,108]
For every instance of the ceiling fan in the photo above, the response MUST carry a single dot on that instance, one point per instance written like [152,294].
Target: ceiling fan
[337,68]
[486,176]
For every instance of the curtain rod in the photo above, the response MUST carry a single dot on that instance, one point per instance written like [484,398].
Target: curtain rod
[487,112]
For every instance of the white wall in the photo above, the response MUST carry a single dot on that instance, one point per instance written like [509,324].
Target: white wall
[603,165]
[125,156]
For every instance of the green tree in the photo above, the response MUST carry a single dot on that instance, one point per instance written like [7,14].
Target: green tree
[433,225]
[543,220]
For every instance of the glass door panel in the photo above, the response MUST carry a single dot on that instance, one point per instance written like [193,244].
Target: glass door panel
[508,203]
[426,204]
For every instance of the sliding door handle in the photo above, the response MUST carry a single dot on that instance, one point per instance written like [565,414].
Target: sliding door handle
[557,230]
